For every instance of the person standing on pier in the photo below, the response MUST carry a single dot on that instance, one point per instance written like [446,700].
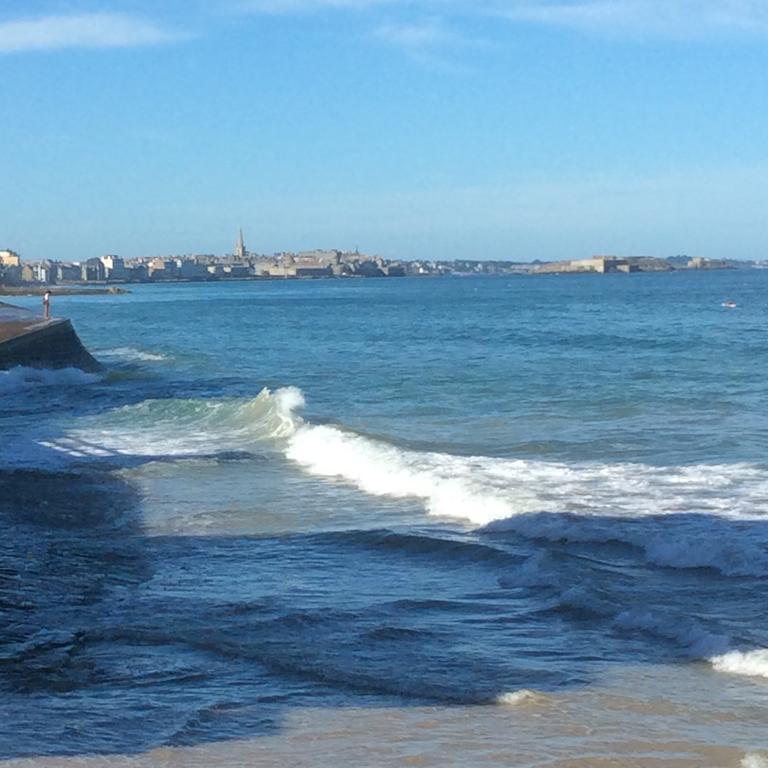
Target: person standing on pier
[47,305]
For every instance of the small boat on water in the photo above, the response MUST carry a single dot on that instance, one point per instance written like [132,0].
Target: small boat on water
[729,304]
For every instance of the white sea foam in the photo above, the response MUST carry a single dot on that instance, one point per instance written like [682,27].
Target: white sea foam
[485,490]
[132,353]
[755,760]
[517,698]
[21,378]
[751,663]
[604,501]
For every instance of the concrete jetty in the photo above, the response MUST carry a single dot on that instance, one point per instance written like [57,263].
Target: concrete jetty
[29,339]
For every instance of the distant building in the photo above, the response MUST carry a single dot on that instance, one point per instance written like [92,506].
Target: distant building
[601,264]
[139,272]
[67,272]
[45,272]
[240,253]
[9,259]
[321,257]
[162,269]
[114,268]
[237,270]
[698,262]
[191,270]
[311,268]
[93,270]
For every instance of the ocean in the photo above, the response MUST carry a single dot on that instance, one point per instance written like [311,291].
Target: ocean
[413,522]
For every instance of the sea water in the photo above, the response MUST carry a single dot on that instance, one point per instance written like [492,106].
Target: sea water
[459,521]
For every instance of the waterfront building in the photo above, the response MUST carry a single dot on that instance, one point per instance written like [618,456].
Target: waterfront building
[139,272]
[162,269]
[67,272]
[45,272]
[115,268]
[237,270]
[188,269]
[93,270]
[9,258]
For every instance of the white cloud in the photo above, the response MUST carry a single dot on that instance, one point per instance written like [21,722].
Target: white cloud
[671,18]
[90,30]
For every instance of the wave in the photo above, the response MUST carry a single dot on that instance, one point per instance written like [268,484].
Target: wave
[751,663]
[701,511]
[186,427]
[22,378]
[484,490]
[696,640]
[441,546]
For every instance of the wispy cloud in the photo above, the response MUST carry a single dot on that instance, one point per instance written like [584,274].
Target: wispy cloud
[90,30]
[430,41]
[669,18]
[429,33]
[308,6]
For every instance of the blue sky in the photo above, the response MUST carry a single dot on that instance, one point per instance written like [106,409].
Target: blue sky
[506,129]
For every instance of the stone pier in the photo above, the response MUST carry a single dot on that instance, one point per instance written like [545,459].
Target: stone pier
[29,339]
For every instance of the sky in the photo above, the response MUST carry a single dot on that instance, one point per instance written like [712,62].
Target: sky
[441,129]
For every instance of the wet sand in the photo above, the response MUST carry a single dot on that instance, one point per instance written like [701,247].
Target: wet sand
[642,718]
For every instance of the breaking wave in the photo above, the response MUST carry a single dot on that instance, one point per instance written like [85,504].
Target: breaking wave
[750,663]
[485,490]
[187,427]
[705,508]
[22,378]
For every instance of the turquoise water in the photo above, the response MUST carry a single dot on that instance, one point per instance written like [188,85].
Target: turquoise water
[386,495]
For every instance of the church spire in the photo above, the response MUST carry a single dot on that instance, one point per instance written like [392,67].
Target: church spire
[240,251]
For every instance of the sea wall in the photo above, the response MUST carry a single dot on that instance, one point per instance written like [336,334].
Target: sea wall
[43,344]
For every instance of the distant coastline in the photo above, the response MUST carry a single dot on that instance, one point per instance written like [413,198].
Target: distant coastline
[106,273]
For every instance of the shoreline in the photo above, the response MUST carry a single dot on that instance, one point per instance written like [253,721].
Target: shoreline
[116,289]
[34,290]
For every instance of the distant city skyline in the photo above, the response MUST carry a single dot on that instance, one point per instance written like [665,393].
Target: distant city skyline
[444,129]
